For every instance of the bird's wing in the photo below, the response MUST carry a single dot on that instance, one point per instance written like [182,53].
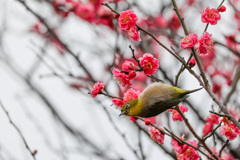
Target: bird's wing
[167,104]
[155,93]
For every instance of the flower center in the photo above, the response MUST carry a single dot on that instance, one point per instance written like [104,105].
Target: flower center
[187,40]
[149,65]
[211,13]
[126,18]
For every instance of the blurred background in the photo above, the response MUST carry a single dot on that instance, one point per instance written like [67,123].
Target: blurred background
[53,51]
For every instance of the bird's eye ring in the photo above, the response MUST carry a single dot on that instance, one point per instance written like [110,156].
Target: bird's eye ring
[127,106]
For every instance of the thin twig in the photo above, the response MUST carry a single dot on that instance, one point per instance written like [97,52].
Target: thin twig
[220,115]
[134,57]
[140,143]
[105,94]
[206,28]
[207,136]
[222,148]
[234,85]
[178,74]
[181,70]
[230,49]
[19,132]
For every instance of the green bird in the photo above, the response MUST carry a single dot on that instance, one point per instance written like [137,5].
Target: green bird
[155,99]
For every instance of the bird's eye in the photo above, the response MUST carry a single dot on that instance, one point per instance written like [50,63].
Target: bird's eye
[127,106]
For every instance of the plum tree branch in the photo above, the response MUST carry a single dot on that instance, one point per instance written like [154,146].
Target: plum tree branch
[19,132]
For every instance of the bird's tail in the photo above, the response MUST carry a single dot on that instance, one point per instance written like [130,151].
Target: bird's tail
[194,90]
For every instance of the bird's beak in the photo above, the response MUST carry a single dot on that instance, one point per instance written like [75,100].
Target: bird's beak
[122,113]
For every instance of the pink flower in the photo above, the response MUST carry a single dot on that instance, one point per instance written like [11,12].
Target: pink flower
[216,88]
[131,94]
[134,34]
[76,85]
[234,112]
[192,63]
[103,16]
[152,120]
[116,16]
[117,102]
[147,122]
[123,78]
[210,16]
[205,44]
[229,129]
[190,2]
[231,41]
[222,9]
[229,82]
[132,74]
[128,66]
[85,11]
[175,115]
[213,118]
[177,147]
[185,152]
[207,128]
[149,64]
[189,41]
[97,88]
[96,3]
[156,135]
[208,59]
[160,21]
[132,119]
[189,153]
[127,19]
[174,23]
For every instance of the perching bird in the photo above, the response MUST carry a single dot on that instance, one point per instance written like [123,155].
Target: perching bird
[154,100]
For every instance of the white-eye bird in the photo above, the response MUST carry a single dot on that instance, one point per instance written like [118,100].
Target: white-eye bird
[155,99]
